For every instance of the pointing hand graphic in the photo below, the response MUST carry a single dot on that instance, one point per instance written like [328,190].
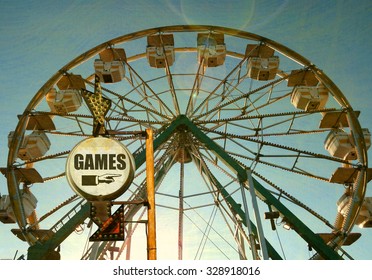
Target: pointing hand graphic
[94,180]
[107,178]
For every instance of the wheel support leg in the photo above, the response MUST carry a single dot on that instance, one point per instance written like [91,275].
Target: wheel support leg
[261,236]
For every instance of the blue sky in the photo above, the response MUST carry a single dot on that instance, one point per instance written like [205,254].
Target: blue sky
[39,37]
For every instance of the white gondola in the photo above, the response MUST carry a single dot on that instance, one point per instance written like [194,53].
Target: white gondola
[211,49]
[68,98]
[262,69]
[34,145]
[364,219]
[6,211]
[160,50]
[340,144]
[262,64]
[110,66]
[64,101]
[309,98]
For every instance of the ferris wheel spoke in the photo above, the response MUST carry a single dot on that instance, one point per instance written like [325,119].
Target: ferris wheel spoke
[52,156]
[258,130]
[76,123]
[199,76]
[263,116]
[282,147]
[227,85]
[225,104]
[293,169]
[143,88]
[170,82]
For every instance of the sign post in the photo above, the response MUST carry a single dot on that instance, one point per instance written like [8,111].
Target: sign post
[101,169]
[151,221]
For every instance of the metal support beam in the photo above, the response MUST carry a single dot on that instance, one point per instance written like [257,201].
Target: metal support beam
[261,236]
[94,254]
[181,210]
[251,235]
[236,208]
[150,182]
[39,251]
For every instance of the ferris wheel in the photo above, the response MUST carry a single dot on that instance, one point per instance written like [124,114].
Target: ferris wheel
[257,153]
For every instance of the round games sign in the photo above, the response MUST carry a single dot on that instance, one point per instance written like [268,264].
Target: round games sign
[100,168]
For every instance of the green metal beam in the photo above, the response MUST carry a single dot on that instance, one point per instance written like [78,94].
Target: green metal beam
[40,251]
[305,232]
[140,158]
[236,207]
[314,240]
[218,150]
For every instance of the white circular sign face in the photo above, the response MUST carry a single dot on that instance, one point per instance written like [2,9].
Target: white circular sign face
[100,168]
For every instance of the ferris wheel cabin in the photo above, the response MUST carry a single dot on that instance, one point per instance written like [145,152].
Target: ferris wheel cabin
[160,50]
[68,98]
[262,64]
[340,144]
[211,49]
[364,219]
[110,66]
[34,145]
[6,211]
